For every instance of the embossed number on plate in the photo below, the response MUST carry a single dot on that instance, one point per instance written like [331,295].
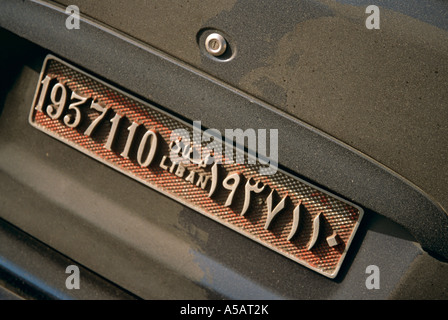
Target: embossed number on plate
[280,211]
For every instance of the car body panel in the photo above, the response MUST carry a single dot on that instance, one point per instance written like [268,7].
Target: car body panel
[342,135]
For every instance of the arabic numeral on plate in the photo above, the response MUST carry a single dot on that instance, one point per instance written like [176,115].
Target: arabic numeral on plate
[43,93]
[70,120]
[130,139]
[58,97]
[113,131]
[96,122]
[152,136]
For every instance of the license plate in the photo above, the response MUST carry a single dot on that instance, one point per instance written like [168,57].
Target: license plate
[281,211]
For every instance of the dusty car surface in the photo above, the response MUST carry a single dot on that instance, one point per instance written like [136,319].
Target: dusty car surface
[331,185]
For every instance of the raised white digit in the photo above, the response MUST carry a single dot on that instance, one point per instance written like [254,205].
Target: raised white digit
[236,181]
[113,131]
[257,187]
[96,122]
[43,93]
[132,128]
[58,99]
[272,212]
[74,106]
[152,135]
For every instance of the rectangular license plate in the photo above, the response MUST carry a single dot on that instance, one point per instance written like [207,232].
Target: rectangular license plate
[282,212]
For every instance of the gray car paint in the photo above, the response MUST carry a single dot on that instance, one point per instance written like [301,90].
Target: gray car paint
[276,68]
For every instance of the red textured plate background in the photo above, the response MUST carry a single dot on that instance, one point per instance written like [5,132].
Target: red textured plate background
[338,215]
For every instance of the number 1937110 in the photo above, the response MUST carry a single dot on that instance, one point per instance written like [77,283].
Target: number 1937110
[67,103]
